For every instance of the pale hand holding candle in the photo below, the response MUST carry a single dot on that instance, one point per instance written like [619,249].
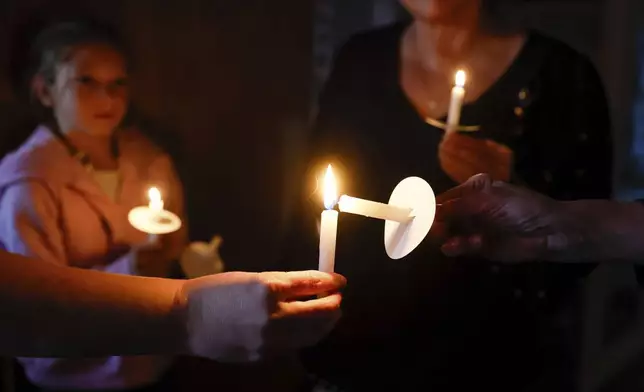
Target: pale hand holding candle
[456,101]
[153,218]
[328,224]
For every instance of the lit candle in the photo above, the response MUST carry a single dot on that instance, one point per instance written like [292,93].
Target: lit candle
[372,209]
[328,224]
[156,202]
[153,218]
[456,101]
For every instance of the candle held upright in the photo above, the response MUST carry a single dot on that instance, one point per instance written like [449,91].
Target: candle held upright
[456,101]
[154,219]
[328,223]
[156,206]
[156,201]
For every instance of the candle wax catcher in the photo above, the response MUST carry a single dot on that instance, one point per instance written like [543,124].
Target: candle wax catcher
[154,221]
[401,238]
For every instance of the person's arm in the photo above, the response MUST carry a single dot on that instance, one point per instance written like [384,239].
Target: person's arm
[606,231]
[506,223]
[31,226]
[53,311]
[48,310]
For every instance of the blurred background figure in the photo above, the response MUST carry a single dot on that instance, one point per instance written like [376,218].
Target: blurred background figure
[66,192]
[607,32]
[381,118]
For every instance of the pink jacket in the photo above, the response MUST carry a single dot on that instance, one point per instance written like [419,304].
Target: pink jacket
[52,209]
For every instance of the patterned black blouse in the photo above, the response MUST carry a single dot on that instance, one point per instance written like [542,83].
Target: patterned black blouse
[426,320]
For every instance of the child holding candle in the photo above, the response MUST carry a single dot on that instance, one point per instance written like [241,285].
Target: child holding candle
[542,121]
[66,192]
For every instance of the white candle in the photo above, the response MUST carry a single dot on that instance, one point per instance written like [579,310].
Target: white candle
[456,101]
[328,224]
[153,218]
[156,202]
[156,205]
[373,209]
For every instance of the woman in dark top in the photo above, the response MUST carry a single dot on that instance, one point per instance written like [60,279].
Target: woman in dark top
[425,321]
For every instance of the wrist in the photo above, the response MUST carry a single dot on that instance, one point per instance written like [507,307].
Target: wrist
[613,230]
[603,230]
[178,320]
[571,237]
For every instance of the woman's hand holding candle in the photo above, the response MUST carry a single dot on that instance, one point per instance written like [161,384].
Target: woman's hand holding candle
[272,321]
[152,257]
[463,156]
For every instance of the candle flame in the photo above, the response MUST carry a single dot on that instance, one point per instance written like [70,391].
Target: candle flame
[330,189]
[156,202]
[460,78]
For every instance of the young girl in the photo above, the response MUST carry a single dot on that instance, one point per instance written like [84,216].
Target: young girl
[66,192]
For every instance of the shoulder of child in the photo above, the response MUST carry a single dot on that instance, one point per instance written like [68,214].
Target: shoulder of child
[37,158]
